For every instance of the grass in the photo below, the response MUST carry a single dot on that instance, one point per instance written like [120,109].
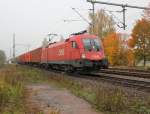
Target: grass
[11,91]
[12,87]
[108,100]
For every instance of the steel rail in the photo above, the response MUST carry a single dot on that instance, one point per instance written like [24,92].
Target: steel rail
[138,84]
[142,84]
[126,73]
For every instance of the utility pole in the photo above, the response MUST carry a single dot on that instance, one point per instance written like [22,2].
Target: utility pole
[14,46]
[93,11]
[120,5]
[124,17]
[10,53]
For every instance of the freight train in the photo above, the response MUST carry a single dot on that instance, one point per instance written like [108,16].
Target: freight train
[81,51]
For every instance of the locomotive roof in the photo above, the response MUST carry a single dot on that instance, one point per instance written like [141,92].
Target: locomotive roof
[83,36]
[73,38]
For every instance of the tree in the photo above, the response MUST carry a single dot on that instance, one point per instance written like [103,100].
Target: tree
[131,43]
[130,52]
[141,35]
[114,49]
[103,24]
[2,58]
[130,57]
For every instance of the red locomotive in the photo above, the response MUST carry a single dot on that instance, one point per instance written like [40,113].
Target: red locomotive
[79,52]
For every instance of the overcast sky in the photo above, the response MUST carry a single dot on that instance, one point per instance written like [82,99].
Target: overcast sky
[32,20]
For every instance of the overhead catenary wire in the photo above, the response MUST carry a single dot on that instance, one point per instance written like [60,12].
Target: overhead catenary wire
[121,5]
[81,16]
[25,45]
[67,20]
[115,17]
[124,6]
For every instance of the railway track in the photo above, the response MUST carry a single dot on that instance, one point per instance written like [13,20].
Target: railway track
[139,83]
[123,80]
[130,69]
[126,77]
[127,72]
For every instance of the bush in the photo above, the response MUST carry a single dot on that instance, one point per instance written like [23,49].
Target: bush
[110,100]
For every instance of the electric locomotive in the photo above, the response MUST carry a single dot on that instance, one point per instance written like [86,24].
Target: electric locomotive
[81,51]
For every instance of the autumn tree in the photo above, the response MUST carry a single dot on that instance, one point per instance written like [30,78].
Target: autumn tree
[131,42]
[130,51]
[141,35]
[130,57]
[114,49]
[103,24]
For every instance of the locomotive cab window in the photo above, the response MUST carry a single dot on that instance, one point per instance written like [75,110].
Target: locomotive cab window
[91,44]
[74,44]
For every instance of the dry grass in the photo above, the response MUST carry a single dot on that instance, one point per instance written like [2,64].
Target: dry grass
[108,100]
[11,90]
[12,87]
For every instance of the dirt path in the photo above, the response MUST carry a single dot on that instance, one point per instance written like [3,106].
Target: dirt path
[51,100]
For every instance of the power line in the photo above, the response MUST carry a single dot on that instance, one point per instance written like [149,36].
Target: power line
[93,2]
[115,11]
[81,16]
[67,20]
[91,24]
[25,45]
[121,5]
[119,22]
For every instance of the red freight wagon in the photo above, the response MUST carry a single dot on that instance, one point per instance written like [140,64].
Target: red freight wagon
[24,58]
[35,55]
[44,55]
[20,59]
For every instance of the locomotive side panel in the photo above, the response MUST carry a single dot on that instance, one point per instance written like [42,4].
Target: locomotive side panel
[57,53]
[74,50]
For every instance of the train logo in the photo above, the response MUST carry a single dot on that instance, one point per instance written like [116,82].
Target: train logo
[61,52]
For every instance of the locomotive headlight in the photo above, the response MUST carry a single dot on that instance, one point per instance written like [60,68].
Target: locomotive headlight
[83,56]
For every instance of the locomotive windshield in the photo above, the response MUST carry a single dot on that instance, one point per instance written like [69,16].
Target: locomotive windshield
[91,44]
